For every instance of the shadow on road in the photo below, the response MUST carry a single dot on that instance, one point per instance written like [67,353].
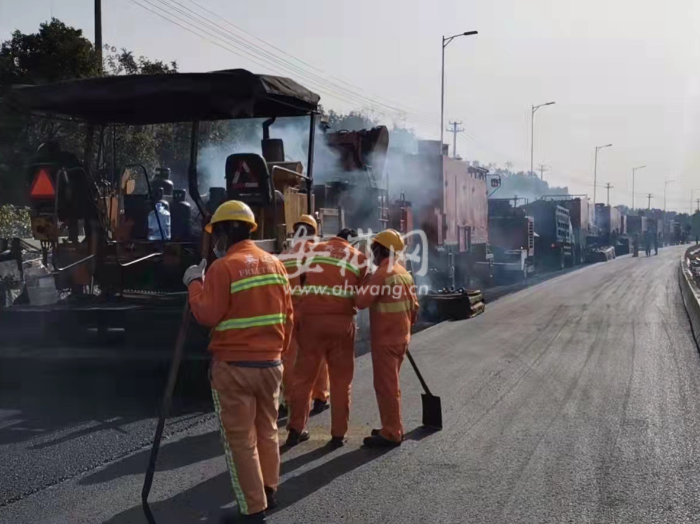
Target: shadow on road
[184,452]
[204,502]
[45,396]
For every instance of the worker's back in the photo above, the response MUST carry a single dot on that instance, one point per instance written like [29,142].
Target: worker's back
[394,311]
[332,272]
[246,300]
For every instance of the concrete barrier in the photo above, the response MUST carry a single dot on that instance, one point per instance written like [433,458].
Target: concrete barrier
[690,292]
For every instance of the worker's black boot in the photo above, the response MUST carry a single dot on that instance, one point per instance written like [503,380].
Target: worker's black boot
[377,441]
[337,442]
[238,518]
[254,518]
[319,406]
[282,412]
[295,437]
[271,495]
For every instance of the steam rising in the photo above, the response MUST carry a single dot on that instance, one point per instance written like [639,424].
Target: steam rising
[245,137]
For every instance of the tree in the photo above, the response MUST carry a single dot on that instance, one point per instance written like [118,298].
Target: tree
[58,52]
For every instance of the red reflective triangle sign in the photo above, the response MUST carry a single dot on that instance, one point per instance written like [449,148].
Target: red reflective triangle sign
[42,186]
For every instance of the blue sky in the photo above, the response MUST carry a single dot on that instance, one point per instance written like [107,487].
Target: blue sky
[623,72]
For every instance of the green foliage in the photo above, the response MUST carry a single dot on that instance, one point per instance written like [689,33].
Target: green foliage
[58,52]
[14,222]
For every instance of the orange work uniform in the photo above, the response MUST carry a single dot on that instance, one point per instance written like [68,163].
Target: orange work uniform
[333,270]
[293,260]
[246,299]
[390,294]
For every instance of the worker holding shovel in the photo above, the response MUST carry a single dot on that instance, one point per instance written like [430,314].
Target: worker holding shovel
[390,294]
[246,299]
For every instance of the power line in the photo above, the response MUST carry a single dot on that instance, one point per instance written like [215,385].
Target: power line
[209,31]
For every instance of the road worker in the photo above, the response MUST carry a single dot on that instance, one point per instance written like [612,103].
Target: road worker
[327,333]
[647,242]
[390,294]
[246,299]
[293,258]
[656,243]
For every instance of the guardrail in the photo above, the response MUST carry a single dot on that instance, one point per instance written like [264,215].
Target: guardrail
[689,277]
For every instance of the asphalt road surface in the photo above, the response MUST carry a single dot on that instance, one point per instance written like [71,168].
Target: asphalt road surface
[575,400]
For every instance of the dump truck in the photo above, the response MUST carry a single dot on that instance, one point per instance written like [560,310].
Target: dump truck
[554,234]
[96,228]
[511,239]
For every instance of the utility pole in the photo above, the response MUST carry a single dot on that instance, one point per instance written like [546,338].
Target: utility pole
[454,131]
[98,35]
[697,200]
[649,197]
[608,186]
[542,169]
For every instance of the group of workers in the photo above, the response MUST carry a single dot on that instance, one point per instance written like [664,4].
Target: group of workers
[651,238]
[290,322]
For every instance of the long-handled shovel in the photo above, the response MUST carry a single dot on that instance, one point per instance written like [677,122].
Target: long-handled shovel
[164,411]
[432,406]
[168,395]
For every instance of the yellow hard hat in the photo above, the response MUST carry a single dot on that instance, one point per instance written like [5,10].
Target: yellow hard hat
[390,239]
[308,220]
[233,210]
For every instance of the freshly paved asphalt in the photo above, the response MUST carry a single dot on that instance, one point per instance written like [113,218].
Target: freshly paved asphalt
[574,400]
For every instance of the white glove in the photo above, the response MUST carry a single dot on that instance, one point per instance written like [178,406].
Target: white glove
[195,272]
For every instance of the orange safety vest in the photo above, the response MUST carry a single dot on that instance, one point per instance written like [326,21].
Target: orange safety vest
[246,299]
[332,272]
[390,294]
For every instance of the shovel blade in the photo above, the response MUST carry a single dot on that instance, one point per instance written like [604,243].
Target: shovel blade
[432,411]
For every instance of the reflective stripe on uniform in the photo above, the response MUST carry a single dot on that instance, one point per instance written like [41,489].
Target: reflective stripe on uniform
[260,280]
[240,497]
[393,307]
[242,323]
[399,278]
[328,291]
[293,262]
[335,262]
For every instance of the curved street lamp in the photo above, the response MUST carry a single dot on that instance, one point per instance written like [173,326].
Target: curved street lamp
[633,170]
[532,134]
[445,42]
[595,170]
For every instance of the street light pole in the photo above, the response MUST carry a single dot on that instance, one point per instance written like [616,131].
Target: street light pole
[665,184]
[633,170]
[532,135]
[595,169]
[691,199]
[445,42]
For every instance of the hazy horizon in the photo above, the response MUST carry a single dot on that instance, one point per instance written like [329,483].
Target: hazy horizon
[621,73]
